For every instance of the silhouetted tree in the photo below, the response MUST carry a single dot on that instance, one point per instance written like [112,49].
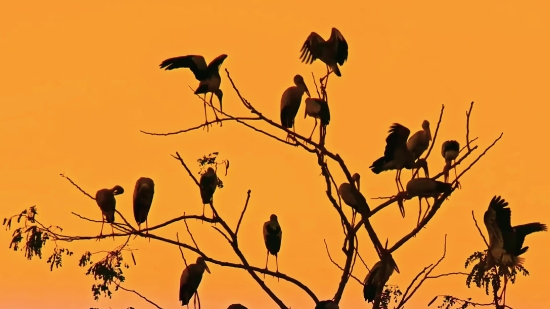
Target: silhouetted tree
[31,235]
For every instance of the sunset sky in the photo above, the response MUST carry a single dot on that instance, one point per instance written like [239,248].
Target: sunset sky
[80,79]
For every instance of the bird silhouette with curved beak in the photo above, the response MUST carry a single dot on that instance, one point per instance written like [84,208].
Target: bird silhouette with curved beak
[290,103]
[105,199]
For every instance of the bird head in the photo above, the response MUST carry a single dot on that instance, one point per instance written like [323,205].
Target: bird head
[210,170]
[273,218]
[117,190]
[426,127]
[202,262]
[356,177]
[299,82]
[219,95]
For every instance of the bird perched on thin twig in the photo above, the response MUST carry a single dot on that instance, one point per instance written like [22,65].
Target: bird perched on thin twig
[377,278]
[397,155]
[425,188]
[420,141]
[351,195]
[273,236]
[318,109]
[143,198]
[105,199]
[291,101]
[190,280]
[208,184]
[208,76]
[449,151]
[333,52]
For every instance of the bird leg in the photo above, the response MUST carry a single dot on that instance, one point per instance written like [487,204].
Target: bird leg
[277,265]
[147,230]
[313,129]
[456,177]
[419,211]
[206,124]
[399,179]
[427,209]
[101,232]
[113,231]
[266,260]
[213,109]
[203,206]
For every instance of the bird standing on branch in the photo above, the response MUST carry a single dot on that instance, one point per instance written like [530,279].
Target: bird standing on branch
[397,155]
[190,280]
[333,52]
[143,198]
[420,141]
[290,103]
[208,184]
[208,76]
[449,151]
[318,109]
[273,236]
[377,278]
[105,199]
[425,188]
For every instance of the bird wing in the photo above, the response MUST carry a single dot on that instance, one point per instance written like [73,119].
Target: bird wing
[195,63]
[398,137]
[312,48]
[313,106]
[521,231]
[217,62]
[341,46]
[265,231]
[184,276]
[491,222]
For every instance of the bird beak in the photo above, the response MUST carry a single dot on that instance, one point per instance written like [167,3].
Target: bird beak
[207,269]
[307,90]
[358,185]
[396,268]
[305,112]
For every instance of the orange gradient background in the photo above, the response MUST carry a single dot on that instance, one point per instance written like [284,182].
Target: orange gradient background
[80,79]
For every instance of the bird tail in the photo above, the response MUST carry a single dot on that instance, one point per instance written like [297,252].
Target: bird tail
[336,70]
[378,166]
[286,122]
[206,196]
[369,292]
[518,260]
[443,187]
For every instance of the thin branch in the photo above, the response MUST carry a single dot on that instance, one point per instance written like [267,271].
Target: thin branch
[181,251]
[468,115]
[340,267]
[138,294]
[78,187]
[479,230]
[244,210]
[202,125]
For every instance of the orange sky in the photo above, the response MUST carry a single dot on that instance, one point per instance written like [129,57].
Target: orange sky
[80,81]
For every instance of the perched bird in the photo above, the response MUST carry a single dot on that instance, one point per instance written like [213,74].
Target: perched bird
[377,278]
[505,240]
[190,280]
[208,75]
[327,304]
[351,195]
[333,52]
[143,198]
[236,306]
[291,101]
[425,188]
[318,109]
[208,184]
[420,141]
[273,235]
[105,199]
[449,151]
[397,155]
